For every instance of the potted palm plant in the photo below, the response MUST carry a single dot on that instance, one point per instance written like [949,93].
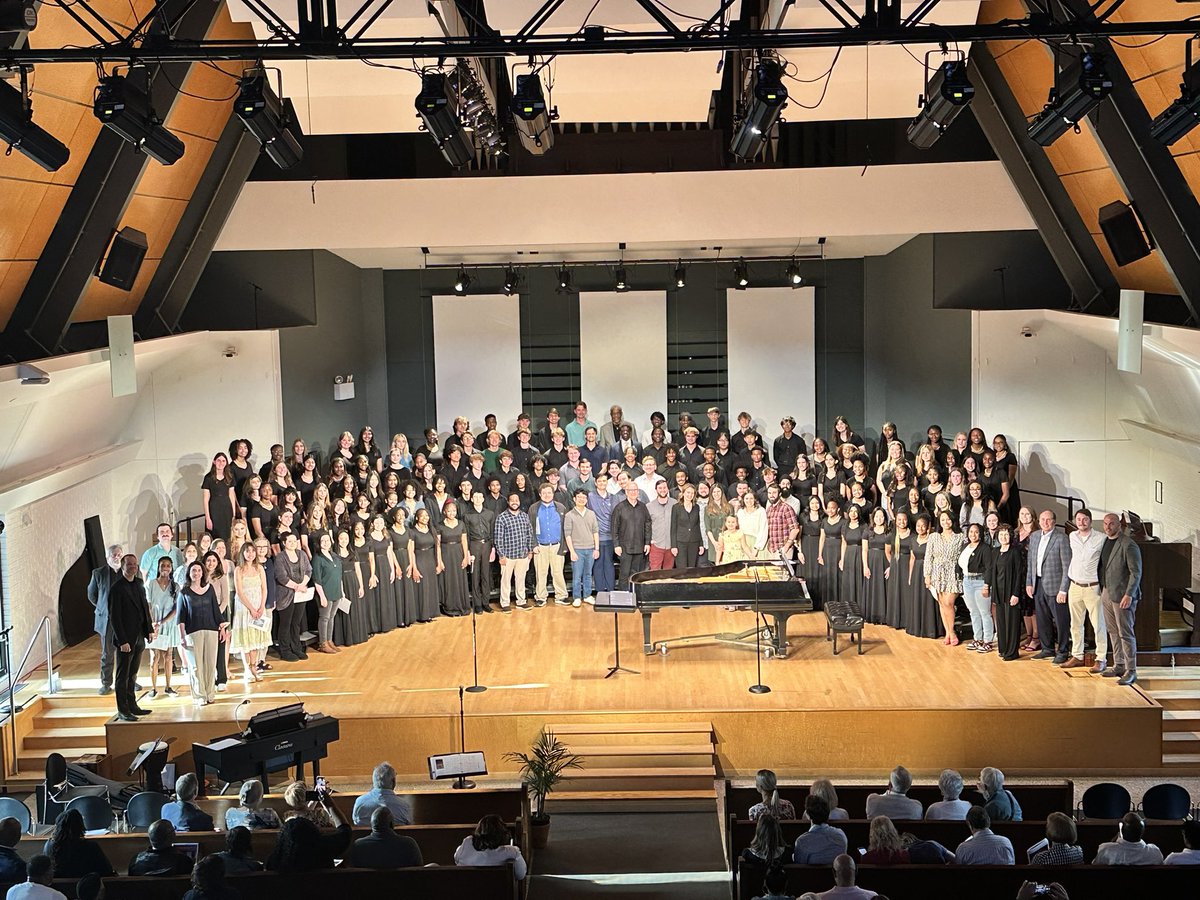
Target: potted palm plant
[541,769]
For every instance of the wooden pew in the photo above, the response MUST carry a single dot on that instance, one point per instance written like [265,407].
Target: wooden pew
[985,882]
[437,842]
[1037,800]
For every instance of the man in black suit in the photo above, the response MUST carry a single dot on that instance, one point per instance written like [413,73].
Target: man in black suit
[97,593]
[631,535]
[129,626]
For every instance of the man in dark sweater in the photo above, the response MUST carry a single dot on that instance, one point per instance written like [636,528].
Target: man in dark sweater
[383,848]
[129,627]
[99,586]
[162,858]
[631,535]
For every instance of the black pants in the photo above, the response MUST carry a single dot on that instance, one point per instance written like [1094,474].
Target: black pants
[107,649]
[688,557]
[1051,616]
[630,564]
[127,669]
[290,620]
[481,574]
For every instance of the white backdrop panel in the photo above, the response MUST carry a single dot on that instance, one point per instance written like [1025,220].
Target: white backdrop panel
[477,342]
[772,360]
[623,354]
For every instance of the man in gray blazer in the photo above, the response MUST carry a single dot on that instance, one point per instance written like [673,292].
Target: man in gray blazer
[97,593]
[1046,581]
[1120,589]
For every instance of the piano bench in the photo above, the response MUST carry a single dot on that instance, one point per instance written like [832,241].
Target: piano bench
[843,618]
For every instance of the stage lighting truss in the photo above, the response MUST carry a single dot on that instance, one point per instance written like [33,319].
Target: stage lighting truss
[1078,90]
[125,109]
[476,110]
[947,93]
[763,98]
[19,132]
[1184,113]
[268,117]
[532,114]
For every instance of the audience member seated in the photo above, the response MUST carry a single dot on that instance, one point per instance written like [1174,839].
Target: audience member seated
[925,853]
[250,813]
[382,793]
[1000,804]
[40,872]
[237,855]
[845,871]
[162,858]
[302,847]
[768,845]
[768,787]
[383,848]
[490,845]
[182,812]
[983,847]
[12,866]
[824,789]
[895,802]
[951,806]
[822,843]
[72,854]
[1129,849]
[208,881]
[295,795]
[1063,850]
[883,844]
[1189,856]
[775,885]
[89,887]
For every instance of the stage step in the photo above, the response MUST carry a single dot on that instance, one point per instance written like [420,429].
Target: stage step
[53,738]
[1187,698]
[704,728]
[1180,719]
[560,796]
[72,717]
[1181,759]
[35,757]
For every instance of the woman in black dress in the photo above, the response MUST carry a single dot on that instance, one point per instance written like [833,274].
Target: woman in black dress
[804,480]
[360,546]
[307,480]
[1006,585]
[877,567]
[422,550]
[829,552]
[406,612]
[220,499]
[239,464]
[1026,526]
[810,548]
[351,627]
[452,561]
[920,607]
[385,569]
[436,498]
[829,484]
[362,511]
[1006,462]
[368,447]
[853,535]
[901,562]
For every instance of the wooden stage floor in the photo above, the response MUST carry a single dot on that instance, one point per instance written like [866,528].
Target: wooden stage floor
[905,699]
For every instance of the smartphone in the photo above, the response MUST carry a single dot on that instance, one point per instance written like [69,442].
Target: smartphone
[1041,889]
[322,785]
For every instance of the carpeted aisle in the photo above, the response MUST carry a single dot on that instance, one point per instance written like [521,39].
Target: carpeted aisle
[644,856]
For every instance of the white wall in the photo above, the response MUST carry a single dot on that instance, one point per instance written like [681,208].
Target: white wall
[772,358]
[623,355]
[478,366]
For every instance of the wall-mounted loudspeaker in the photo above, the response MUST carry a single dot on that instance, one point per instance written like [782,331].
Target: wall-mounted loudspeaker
[1123,233]
[124,260]
[1129,332]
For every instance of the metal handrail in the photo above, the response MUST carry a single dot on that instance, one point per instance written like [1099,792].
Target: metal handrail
[188,524]
[1071,501]
[15,675]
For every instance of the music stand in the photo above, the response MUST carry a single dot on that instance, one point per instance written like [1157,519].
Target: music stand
[150,761]
[616,602]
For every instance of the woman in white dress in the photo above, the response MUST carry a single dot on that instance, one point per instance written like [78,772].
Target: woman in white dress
[251,619]
[161,593]
[752,520]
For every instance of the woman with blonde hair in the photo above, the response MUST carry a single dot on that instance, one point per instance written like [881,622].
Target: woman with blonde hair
[251,635]
[824,789]
[239,535]
[345,449]
[884,847]
[732,545]
[768,845]
[768,787]
[400,442]
[884,471]
[941,569]
[714,517]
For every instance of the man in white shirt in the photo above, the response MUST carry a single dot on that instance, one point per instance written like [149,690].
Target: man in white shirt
[1083,594]
[1190,855]
[951,807]
[382,793]
[649,477]
[894,802]
[41,875]
[1129,849]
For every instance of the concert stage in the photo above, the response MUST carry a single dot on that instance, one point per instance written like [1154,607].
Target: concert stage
[905,699]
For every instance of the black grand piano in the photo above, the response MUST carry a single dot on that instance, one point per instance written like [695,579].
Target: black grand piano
[774,584]
[273,741]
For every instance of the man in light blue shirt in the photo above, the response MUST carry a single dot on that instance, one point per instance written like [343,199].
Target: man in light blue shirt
[822,843]
[983,847]
[149,561]
[951,807]
[549,551]
[382,793]
[601,503]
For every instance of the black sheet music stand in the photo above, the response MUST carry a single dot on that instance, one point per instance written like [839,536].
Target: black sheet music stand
[616,602]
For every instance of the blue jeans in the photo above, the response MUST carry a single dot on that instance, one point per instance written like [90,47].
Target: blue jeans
[980,607]
[581,574]
[604,567]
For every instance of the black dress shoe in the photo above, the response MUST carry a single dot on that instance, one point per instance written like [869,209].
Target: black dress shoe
[125,717]
[304,654]
[1127,679]
[105,690]
[289,658]
[138,711]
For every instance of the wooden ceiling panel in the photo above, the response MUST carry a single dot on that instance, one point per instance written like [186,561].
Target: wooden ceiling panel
[992,11]
[1029,72]
[66,81]
[1146,274]
[103,300]
[1092,190]
[18,199]
[41,221]
[1073,153]
[13,276]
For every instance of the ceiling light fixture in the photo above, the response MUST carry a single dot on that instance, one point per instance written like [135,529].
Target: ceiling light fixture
[680,275]
[269,118]
[564,279]
[20,133]
[437,107]
[622,280]
[1085,83]
[126,109]
[947,94]
[741,275]
[512,279]
[532,116]
[795,279]
[462,281]
[763,100]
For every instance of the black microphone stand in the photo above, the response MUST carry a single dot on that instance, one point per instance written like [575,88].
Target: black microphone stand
[476,688]
[758,687]
[462,784]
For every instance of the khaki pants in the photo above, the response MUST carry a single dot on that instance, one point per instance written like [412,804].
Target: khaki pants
[512,569]
[1085,602]
[546,558]
[203,657]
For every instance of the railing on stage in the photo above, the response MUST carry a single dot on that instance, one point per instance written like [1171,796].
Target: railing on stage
[186,525]
[15,675]
[1071,502]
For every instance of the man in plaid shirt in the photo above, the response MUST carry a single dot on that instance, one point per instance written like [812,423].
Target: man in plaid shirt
[514,549]
[782,528]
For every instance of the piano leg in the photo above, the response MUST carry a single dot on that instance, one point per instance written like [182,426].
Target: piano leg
[264,777]
[647,647]
[780,633]
[316,763]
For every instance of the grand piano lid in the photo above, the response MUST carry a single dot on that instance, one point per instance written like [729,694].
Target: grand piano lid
[732,568]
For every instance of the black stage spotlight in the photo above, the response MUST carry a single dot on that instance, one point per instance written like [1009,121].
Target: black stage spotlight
[741,275]
[265,116]
[795,279]
[18,131]
[622,279]
[126,110]
[1085,83]
[511,280]
[1182,115]
[946,95]
[564,280]
[531,116]
[438,109]
[680,275]
[462,281]
[18,15]
[761,107]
